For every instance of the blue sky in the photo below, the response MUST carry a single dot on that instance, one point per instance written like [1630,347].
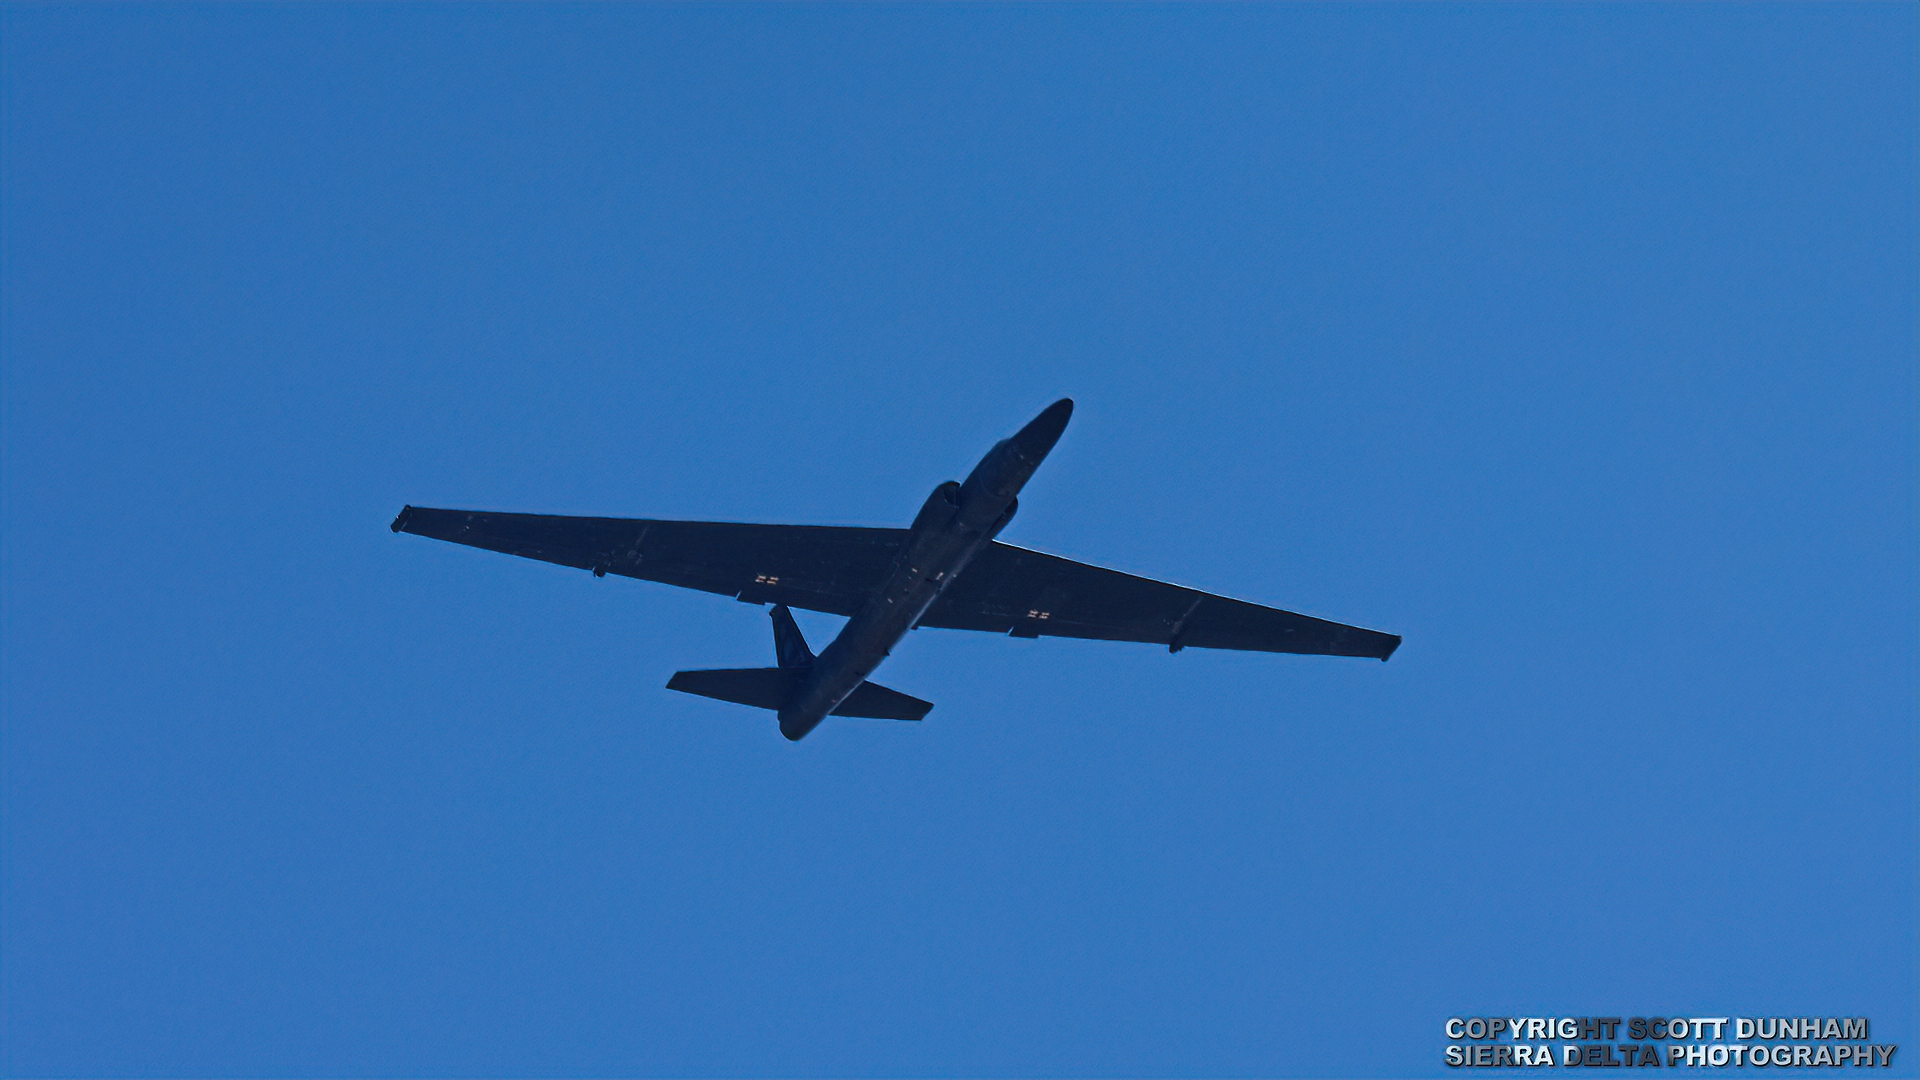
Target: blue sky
[1576,344]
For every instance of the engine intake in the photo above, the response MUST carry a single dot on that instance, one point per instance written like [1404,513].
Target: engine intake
[939,507]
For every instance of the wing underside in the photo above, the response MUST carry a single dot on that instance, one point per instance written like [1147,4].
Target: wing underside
[1004,590]
[1012,590]
[815,567]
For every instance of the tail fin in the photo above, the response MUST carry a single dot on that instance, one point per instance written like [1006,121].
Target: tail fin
[773,687]
[763,688]
[789,647]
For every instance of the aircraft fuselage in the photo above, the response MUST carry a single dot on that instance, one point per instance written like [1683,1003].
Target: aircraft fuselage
[957,521]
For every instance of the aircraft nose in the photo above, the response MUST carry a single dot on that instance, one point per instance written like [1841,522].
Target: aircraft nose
[1044,430]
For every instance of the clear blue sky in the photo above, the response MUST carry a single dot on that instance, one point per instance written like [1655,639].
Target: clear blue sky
[1577,344]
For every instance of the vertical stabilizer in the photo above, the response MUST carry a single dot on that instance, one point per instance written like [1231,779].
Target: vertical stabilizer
[789,647]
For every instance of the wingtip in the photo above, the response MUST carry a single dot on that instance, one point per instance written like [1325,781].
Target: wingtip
[400,520]
[1394,640]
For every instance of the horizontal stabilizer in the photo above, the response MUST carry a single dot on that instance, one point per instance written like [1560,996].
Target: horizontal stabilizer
[771,687]
[875,702]
[760,687]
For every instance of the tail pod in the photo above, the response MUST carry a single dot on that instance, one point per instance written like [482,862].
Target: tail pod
[772,688]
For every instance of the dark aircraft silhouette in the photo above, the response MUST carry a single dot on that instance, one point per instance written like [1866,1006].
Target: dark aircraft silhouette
[946,570]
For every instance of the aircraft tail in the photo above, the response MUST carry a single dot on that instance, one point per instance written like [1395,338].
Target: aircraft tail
[760,687]
[772,688]
[789,647]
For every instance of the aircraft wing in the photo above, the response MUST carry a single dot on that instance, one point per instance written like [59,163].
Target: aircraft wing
[816,567]
[1011,590]
[830,568]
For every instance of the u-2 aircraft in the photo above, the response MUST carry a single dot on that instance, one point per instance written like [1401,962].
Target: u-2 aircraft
[945,570]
